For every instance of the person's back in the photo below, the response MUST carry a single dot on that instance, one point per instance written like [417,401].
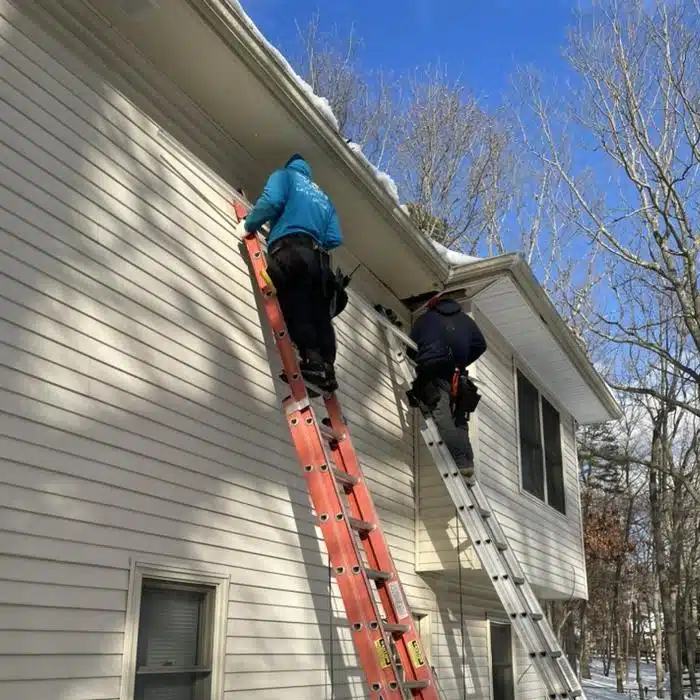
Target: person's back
[304,227]
[447,341]
[446,338]
[294,204]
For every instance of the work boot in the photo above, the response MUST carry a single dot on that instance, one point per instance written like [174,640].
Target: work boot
[330,384]
[313,371]
[467,470]
[311,392]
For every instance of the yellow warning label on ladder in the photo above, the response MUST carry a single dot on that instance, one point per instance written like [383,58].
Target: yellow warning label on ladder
[383,653]
[416,656]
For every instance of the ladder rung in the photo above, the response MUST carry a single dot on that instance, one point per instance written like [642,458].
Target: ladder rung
[484,512]
[378,575]
[395,628]
[555,653]
[362,526]
[415,685]
[501,545]
[518,580]
[536,616]
[347,480]
[330,434]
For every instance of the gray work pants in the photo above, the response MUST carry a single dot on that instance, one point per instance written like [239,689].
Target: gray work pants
[454,432]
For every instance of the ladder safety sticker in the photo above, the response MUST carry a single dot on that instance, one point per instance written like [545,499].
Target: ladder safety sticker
[382,653]
[415,652]
[397,599]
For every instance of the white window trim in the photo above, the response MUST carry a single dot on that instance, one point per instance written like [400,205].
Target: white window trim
[423,620]
[171,573]
[513,655]
[518,367]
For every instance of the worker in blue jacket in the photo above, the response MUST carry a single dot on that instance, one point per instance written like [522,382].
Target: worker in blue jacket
[448,342]
[304,228]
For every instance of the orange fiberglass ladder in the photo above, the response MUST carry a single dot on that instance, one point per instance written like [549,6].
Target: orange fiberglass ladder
[383,631]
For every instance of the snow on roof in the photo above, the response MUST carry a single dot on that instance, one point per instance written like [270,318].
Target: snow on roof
[384,179]
[452,257]
[321,103]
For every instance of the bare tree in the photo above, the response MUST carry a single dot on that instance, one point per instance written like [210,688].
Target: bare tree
[365,103]
[634,106]
[453,158]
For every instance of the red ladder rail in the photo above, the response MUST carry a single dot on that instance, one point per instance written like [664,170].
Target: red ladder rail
[332,470]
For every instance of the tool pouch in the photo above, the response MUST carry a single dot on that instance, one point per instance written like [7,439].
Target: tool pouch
[464,395]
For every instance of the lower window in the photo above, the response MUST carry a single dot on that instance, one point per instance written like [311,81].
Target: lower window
[502,676]
[177,623]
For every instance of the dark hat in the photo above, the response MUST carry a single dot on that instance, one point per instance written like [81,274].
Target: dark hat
[296,156]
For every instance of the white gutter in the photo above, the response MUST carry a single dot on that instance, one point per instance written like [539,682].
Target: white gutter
[236,32]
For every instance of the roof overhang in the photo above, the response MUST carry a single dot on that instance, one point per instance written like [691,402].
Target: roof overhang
[208,52]
[214,56]
[506,292]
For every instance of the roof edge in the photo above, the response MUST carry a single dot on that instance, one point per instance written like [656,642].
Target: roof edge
[259,57]
[514,265]
[536,295]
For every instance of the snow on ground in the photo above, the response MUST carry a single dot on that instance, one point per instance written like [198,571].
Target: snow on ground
[321,103]
[452,256]
[601,688]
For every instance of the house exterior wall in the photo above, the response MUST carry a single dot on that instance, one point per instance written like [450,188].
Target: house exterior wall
[547,543]
[141,421]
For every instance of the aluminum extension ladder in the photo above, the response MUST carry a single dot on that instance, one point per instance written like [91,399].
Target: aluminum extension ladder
[383,631]
[495,555]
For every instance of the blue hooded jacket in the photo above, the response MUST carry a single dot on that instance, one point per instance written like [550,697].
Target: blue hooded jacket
[293,203]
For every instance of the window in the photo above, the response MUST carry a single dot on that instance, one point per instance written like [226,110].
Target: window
[174,638]
[502,684]
[541,463]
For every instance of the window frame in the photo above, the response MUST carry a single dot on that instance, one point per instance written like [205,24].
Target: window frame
[423,621]
[513,654]
[175,577]
[518,368]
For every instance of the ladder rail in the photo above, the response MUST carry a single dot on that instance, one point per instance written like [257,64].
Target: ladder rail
[494,553]
[333,475]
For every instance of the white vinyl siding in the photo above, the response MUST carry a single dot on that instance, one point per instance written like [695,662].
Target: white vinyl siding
[141,415]
[547,543]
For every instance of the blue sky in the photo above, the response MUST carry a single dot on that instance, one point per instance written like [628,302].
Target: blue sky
[481,41]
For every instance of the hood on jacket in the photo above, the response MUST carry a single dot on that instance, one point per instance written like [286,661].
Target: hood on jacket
[448,307]
[297,163]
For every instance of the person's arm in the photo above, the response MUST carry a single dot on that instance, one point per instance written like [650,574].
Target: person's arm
[334,236]
[270,203]
[478,342]
[414,335]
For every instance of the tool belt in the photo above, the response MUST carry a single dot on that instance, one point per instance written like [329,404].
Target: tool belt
[464,396]
[334,283]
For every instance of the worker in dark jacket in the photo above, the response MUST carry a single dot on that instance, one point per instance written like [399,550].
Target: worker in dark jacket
[304,228]
[448,342]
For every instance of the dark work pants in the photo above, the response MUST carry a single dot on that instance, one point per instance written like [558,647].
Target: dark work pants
[455,433]
[299,276]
